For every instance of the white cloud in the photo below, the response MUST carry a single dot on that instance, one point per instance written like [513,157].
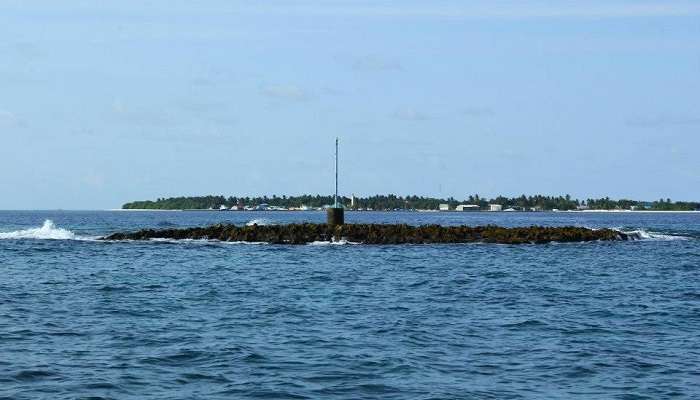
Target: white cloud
[410,114]
[285,92]
[486,10]
[476,111]
[663,120]
[376,63]
[93,179]
[8,119]
[140,116]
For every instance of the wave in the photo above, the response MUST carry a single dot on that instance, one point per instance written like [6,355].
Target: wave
[260,222]
[194,241]
[47,231]
[641,234]
[341,242]
[170,240]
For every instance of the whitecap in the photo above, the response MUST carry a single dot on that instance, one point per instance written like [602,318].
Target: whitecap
[202,241]
[47,231]
[641,234]
[341,242]
[260,222]
[246,243]
[170,240]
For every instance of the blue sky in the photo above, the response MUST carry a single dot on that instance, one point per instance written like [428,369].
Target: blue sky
[107,102]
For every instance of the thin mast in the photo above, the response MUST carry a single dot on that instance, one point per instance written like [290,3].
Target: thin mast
[336,172]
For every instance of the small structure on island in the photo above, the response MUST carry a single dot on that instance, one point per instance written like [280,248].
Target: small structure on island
[468,207]
[444,207]
[336,214]
[495,207]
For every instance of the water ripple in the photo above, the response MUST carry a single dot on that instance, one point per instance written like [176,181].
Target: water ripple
[81,319]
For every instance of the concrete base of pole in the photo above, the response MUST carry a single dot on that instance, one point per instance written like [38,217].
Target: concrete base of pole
[336,216]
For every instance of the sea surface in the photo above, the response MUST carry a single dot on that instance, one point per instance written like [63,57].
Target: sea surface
[81,318]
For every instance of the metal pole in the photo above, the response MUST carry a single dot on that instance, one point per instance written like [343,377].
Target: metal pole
[336,214]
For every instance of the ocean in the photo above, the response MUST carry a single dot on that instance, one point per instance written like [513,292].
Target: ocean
[81,318]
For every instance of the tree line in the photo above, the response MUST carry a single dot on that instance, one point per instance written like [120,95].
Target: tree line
[394,202]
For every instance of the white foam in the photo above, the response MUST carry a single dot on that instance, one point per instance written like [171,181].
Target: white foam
[201,241]
[47,231]
[169,240]
[641,234]
[260,222]
[341,242]
[247,243]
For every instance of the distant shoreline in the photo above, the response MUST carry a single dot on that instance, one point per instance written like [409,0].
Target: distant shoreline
[391,202]
[145,209]
[626,211]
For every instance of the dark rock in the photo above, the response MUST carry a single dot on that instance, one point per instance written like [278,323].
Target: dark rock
[378,234]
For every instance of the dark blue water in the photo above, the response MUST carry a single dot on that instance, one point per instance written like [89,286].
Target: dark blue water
[206,320]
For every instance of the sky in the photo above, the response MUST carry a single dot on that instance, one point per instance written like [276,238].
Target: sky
[107,102]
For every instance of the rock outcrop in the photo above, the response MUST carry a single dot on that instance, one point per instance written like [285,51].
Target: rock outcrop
[378,234]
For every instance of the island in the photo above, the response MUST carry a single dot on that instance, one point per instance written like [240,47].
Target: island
[393,202]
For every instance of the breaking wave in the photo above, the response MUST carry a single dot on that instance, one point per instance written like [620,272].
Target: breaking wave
[196,241]
[260,222]
[341,242]
[641,234]
[46,231]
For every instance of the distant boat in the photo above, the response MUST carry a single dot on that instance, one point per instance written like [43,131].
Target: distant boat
[223,208]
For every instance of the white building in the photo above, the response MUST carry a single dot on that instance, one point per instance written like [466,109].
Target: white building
[495,207]
[444,207]
[467,207]
[352,201]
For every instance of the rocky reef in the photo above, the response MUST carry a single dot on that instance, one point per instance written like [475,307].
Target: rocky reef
[378,234]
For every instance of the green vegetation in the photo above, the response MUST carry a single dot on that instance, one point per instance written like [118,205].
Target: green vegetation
[393,202]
